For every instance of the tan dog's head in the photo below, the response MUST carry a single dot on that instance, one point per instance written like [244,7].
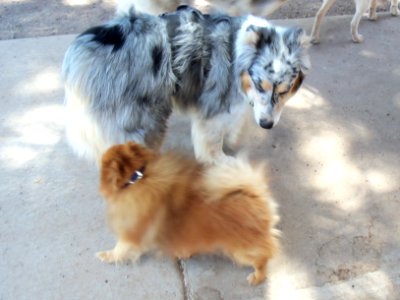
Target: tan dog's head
[120,166]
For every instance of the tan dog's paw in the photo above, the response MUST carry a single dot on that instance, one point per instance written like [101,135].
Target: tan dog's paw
[123,251]
[112,257]
[107,256]
[253,279]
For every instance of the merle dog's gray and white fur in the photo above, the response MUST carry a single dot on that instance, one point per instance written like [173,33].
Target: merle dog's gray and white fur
[123,78]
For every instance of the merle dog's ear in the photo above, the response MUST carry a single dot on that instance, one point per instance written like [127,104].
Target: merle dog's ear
[259,36]
[303,38]
[296,37]
[297,43]
[297,83]
[252,35]
[245,81]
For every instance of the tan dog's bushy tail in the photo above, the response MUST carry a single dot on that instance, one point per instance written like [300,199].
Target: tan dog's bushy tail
[231,175]
[238,175]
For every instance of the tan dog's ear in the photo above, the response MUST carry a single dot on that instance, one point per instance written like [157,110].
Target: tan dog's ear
[131,143]
[110,174]
[139,153]
[119,163]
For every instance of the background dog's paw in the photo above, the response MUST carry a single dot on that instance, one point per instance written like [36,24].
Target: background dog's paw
[372,15]
[394,10]
[315,40]
[358,38]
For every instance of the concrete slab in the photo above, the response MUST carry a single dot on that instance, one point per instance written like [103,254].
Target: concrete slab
[51,214]
[334,168]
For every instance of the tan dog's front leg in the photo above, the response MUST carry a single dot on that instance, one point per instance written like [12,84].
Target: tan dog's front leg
[123,251]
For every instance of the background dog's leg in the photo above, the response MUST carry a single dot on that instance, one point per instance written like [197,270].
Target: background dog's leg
[207,138]
[123,251]
[361,7]
[372,10]
[315,33]
[266,9]
[394,7]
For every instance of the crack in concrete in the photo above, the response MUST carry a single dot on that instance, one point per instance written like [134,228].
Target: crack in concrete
[185,285]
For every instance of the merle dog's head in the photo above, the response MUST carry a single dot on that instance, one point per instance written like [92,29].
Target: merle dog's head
[275,62]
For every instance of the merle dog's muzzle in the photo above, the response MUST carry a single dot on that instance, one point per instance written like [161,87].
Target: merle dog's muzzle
[266,124]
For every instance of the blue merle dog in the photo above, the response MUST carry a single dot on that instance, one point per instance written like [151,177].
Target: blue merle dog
[122,79]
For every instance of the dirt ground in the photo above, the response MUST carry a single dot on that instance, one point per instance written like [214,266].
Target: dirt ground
[31,18]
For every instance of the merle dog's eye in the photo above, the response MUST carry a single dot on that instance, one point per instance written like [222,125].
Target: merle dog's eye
[282,89]
[283,93]
[259,86]
[268,66]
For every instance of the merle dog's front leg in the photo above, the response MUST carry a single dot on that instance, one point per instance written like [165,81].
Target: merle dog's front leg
[207,138]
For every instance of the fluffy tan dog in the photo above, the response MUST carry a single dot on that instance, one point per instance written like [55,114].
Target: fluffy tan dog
[174,204]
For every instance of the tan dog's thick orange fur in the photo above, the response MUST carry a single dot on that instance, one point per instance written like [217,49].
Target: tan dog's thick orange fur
[184,208]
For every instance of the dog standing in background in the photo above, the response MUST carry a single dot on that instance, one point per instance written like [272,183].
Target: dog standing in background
[122,79]
[235,7]
[361,8]
[181,207]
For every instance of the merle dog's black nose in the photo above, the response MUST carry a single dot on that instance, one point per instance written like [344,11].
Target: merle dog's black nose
[266,124]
